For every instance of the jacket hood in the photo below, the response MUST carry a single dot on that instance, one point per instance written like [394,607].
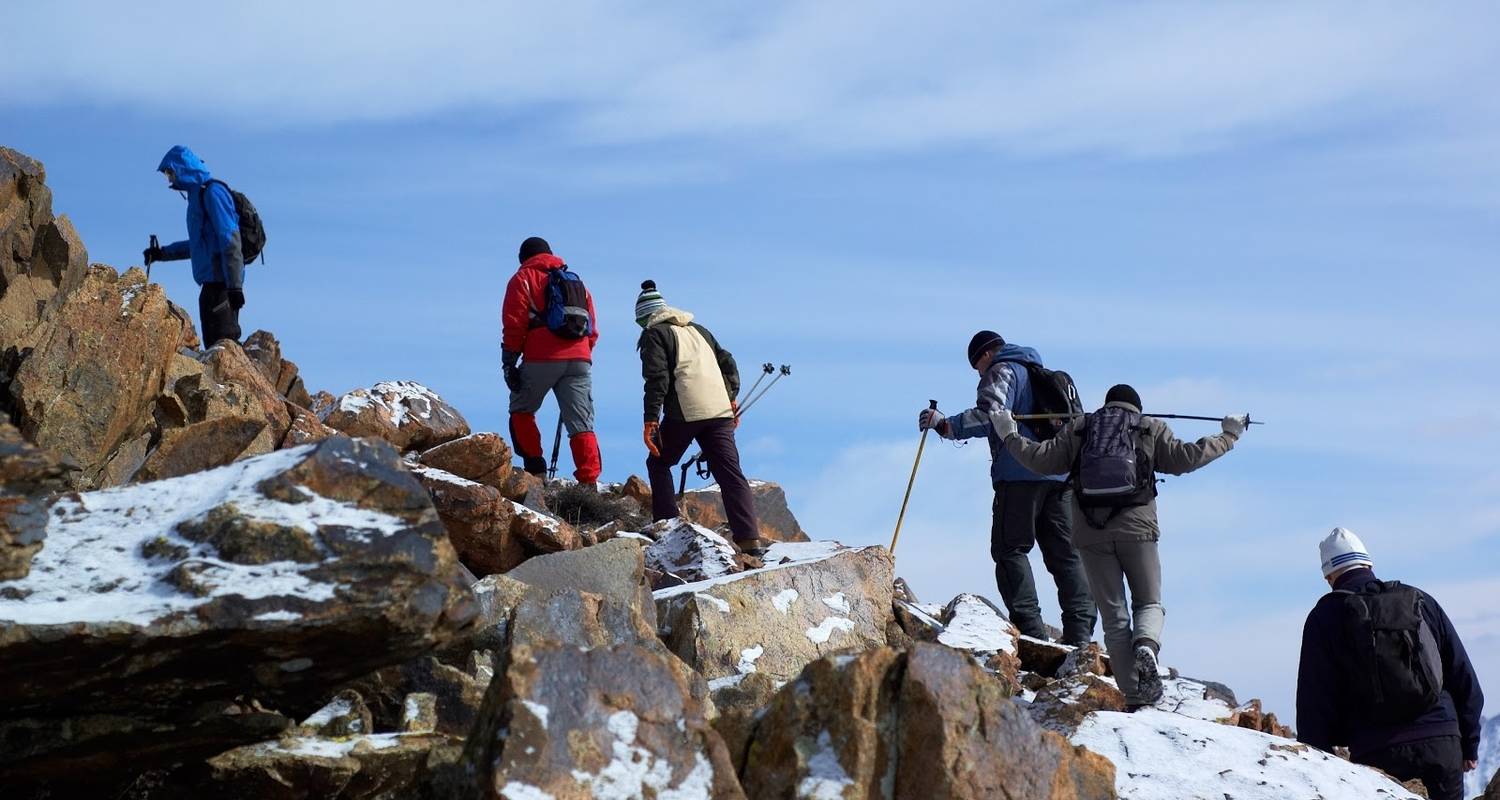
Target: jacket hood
[188,170]
[671,316]
[546,262]
[1024,355]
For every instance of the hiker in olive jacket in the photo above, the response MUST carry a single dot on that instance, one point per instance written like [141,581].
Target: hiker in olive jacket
[1120,546]
[691,383]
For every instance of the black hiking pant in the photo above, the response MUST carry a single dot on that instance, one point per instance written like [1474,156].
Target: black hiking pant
[220,319]
[716,437]
[1438,762]
[1030,513]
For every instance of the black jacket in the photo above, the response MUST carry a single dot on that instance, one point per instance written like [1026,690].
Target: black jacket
[658,349]
[1326,716]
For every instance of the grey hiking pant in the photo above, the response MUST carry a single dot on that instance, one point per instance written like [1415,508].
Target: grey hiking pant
[571,381]
[1110,565]
[1030,514]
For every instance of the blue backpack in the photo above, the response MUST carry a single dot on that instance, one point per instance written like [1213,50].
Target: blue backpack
[566,308]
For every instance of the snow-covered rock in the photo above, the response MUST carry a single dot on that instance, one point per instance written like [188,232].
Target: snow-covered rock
[689,552]
[404,413]
[361,767]
[778,619]
[1165,756]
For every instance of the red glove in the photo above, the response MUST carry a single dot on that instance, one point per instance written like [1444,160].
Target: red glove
[734,405]
[651,434]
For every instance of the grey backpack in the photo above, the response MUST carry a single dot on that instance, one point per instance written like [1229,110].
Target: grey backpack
[1113,472]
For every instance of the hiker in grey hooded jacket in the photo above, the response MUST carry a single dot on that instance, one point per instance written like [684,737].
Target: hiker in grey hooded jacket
[1122,547]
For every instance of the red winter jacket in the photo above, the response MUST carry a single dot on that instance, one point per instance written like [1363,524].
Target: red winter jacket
[526,293]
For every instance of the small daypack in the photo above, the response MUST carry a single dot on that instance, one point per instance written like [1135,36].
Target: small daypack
[565,308]
[1052,392]
[252,232]
[1113,471]
[1398,669]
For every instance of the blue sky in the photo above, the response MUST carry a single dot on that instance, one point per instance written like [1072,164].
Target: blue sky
[1275,208]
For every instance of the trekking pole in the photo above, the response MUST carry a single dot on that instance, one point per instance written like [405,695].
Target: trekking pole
[1024,417]
[698,459]
[932,404]
[556,448]
[154,246]
[765,369]
[786,369]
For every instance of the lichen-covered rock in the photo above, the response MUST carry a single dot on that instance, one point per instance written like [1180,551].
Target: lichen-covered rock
[276,577]
[573,724]
[365,767]
[740,701]
[479,521]
[924,723]
[28,478]
[305,427]
[706,507]
[614,569]
[778,619]
[479,457]
[404,413]
[540,533]
[42,259]
[688,552]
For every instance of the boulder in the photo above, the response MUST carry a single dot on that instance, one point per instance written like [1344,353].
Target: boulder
[1041,657]
[975,625]
[1064,703]
[541,533]
[778,619]
[420,713]
[404,413]
[922,723]
[305,427]
[42,260]
[264,351]
[688,552]
[277,577]
[363,767]
[740,701]
[479,521]
[569,724]
[86,389]
[479,457]
[706,507]
[638,490]
[615,570]
[918,622]
[456,693]
[28,478]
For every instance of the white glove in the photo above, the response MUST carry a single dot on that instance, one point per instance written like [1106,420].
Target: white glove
[1004,423]
[930,419]
[1235,424]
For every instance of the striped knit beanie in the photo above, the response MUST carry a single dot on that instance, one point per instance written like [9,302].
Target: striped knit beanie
[649,302]
[1342,550]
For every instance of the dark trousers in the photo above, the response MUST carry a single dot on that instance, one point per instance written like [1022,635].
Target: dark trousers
[1438,762]
[220,320]
[1030,513]
[716,437]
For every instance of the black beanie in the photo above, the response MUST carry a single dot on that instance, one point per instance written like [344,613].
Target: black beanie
[983,342]
[1121,393]
[534,246]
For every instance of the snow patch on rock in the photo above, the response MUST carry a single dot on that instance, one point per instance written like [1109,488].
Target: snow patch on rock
[634,769]
[826,628]
[826,778]
[976,627]
[784,599]
[748,656]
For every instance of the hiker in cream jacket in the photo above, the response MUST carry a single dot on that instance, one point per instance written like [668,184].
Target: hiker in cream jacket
[691,384]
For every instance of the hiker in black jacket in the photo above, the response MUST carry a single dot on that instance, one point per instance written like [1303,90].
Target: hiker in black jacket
[1436,744]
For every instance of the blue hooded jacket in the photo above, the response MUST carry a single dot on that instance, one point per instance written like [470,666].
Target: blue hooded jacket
[1006,384]
[213,224]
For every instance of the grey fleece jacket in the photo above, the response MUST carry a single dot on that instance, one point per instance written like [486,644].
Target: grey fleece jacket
[1168,455]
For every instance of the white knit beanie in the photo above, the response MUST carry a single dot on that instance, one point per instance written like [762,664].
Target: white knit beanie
[1341,550]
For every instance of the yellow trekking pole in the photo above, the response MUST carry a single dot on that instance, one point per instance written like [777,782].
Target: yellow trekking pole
[932,404]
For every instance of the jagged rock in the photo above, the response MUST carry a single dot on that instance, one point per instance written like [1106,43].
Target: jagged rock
[1064,703]
[87,387]
[741,701]
[28,477]
[1042,657]
[276,577]
[404,413]
[918,623]
[1159,754]
[42,259]
[227,363]
[479,521]
[1252,716]
[706,507]
[902,592]
[345,715]
[1089,659]
[419,713]
[305,428]
[571,724]
[638,490]
[688,552]
[975,625]
[264,350]
[541,533]
[456,693]
[778,619]
[526,489]
[615,570]
[370,767]
[480,457]
[925,723]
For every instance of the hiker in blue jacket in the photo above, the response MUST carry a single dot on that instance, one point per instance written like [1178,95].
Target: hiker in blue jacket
[1438,741]
[213,243]
[1029,509]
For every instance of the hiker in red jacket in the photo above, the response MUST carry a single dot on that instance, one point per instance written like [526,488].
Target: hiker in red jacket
[541,355]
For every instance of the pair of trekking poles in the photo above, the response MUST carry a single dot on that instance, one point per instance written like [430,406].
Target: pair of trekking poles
[932,404]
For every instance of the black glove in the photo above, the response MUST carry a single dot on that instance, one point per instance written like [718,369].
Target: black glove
[236,299]
[151,255]
[512,377]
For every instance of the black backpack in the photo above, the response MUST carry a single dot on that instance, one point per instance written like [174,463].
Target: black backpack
[566,308]
[1398,669]
[252,232]
[1052,392]
[1113,471]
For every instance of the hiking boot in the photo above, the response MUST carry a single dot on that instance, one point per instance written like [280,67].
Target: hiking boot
[755,548]
[1147,679]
